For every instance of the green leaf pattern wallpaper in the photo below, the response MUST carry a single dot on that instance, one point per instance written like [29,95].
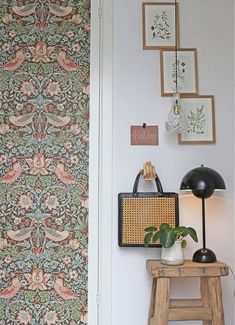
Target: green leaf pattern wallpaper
[44,128]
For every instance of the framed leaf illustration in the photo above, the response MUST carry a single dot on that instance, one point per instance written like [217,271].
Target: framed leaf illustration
[160,25]
[184,66]
[200,117]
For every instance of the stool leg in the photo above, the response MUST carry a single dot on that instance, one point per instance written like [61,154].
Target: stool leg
[152,301]
[215,300]
[205,296]
[161,308]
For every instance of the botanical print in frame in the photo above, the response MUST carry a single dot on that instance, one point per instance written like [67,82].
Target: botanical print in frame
[159,30]
[182,65]
[200,117]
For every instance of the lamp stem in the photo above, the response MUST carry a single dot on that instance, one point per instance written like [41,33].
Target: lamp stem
[203,223]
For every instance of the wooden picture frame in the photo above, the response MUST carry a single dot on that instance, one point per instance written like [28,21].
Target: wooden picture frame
[158,25]
[187,75]
[200,118]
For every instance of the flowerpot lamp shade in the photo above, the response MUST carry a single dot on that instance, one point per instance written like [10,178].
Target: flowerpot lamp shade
[203,181]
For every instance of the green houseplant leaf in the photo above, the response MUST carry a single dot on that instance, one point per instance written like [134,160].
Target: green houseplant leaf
[167,238]
[167,235]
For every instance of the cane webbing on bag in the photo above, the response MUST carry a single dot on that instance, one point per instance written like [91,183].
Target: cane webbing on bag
[139,213]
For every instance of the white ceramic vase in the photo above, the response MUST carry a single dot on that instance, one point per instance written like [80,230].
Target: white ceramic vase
[173,255]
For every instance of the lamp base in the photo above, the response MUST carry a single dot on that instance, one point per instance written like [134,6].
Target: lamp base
[204,255]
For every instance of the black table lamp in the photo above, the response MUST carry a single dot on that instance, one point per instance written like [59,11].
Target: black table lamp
[203,181]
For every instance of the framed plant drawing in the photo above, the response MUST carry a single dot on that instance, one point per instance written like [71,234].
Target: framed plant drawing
[182,65]
[200,118]
[160,25]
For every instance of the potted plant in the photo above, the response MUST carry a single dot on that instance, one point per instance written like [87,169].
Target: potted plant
[172,240]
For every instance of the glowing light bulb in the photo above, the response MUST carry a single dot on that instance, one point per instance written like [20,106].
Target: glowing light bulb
[176,117]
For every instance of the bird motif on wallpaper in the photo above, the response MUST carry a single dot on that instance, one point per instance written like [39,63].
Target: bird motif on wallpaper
[65,176]
[21,120]
[52,119]
[24,11]
[53,234]
[56,120]
[66,293]
[12,175]
[10,291]
[68,65]
[21,234]
[14,63]
[54,9]
[59,11]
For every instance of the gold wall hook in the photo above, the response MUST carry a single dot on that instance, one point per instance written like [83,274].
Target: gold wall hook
[148,171]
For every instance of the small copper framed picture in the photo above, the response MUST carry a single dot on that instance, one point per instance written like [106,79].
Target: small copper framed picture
[200,119]
[160,25]
[179,72]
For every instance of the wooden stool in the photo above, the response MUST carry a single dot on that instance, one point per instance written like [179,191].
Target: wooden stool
[209,308]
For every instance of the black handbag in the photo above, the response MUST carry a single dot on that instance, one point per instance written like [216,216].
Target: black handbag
[138,210]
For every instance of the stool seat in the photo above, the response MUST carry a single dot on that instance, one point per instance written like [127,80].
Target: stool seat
[209,308]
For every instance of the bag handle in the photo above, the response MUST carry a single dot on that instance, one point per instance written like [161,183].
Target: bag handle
[157,181]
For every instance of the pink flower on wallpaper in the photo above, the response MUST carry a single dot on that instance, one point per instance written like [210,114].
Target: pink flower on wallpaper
[38,164]
[76,19]
[73,244]
[3,159]
[70,33]
[86,89]
[37,279]
[24,317]
[50,317]
[73,274]
[53,88]
[68,145]
[74,159]
[87,28]
[66,260]
[5,47]
[76,47]
[4,129]
[12,33]
[7,19]
[85,202]
[3,244]
[84,318]
[84,254]
[75,129]
[25,202]
[51,202]
[2,273]
[10,144]
[85,139]
[8,259]
[41,52]
[27,88]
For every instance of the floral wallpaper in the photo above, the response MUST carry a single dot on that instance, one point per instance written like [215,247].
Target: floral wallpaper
[44,116]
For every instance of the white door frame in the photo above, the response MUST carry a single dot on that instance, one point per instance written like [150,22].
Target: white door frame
[100,166]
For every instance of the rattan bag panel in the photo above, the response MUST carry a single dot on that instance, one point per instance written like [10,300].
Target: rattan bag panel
[143,212]
[137,213]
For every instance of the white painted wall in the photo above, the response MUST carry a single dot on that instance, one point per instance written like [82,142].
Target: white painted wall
[208,26]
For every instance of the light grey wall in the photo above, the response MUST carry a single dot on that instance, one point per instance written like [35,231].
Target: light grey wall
[208,26]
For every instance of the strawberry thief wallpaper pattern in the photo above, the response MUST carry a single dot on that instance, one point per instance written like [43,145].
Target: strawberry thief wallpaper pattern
[44,127]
